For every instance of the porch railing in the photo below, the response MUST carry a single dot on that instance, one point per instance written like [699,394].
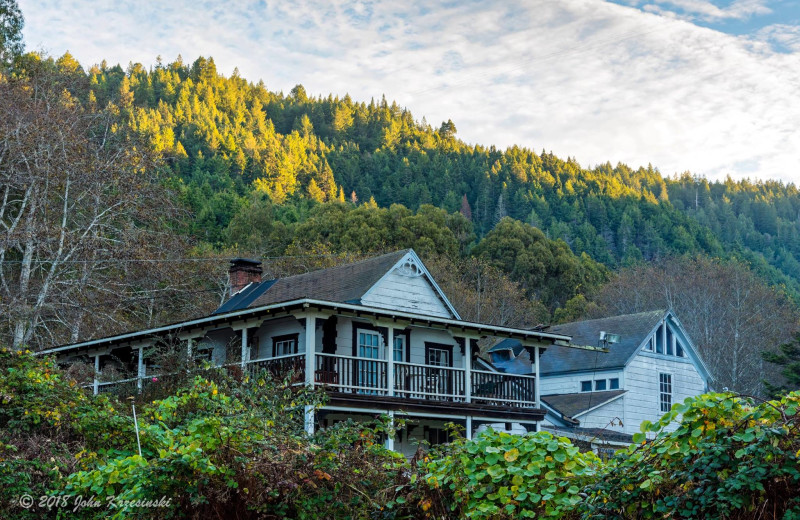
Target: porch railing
[429,382]
[280,366]
[351,374]
[370,377]
[503,389]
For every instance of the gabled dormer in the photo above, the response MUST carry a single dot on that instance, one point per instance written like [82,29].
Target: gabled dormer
[394,281]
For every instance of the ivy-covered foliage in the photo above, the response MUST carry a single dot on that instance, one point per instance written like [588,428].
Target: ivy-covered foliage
[729,457]
[228,445]
[223,445]
[500,475]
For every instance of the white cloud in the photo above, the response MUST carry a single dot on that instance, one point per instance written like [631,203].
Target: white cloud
[592,80]
[707,11]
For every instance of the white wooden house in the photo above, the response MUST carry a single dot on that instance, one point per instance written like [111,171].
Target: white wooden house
[650,365]
[379,335]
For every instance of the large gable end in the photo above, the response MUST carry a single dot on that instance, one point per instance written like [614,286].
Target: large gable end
[409,287]
[669,339]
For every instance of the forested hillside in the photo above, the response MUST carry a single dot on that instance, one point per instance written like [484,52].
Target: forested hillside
[305,182]
[228,138]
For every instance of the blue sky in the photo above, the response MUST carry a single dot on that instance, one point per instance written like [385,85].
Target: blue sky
[686,85]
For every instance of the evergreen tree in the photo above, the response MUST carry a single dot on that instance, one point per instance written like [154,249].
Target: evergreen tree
[11,23]
[788,357]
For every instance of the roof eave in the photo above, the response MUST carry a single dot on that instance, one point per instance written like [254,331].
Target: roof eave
[479,328]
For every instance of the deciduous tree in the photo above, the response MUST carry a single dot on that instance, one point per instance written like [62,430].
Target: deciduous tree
[730,314]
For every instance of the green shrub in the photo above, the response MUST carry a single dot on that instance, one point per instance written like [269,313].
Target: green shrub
[729,457]
[500,475]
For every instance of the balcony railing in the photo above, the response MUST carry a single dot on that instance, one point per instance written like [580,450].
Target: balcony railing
[505,389]
[429,382]
[366,376]
[280,366]
[351,374]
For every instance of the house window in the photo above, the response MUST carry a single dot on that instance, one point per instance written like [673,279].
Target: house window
[439,355]
[665,391]
[659,341]
[284,345]
[670,342]
[399,351]
[649,344]
[586,386]
[679,349]
[438,436]
[369,372]
[613,383]
[600,384]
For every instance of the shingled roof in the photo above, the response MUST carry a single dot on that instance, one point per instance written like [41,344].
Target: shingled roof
[632,329]
[345,283]
[570,405]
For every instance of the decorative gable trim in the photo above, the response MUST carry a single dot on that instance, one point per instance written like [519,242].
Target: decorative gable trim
[411,265]
[692,356]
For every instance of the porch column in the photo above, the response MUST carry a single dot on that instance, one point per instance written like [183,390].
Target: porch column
[468,433]
[310,345]
[390,367]
[308,419]
[244,347]
[189,348]
[390,434]
[140,369]
[96,385]
[536,382]
[468,373]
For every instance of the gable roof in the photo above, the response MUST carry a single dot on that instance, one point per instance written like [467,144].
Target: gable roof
[346,283]
[632,328]
[573,405]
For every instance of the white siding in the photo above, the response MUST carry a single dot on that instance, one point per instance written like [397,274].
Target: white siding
[603,417]
[641,381]
[571,383]
[418,336]
[278,327]
[404,293]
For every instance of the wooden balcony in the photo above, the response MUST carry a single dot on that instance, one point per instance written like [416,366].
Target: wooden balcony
[370,378]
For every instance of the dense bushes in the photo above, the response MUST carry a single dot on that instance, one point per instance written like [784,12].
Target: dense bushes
[505,475]
[229,446]
[729,458]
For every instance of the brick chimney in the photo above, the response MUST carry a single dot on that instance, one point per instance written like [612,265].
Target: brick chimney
[242,272]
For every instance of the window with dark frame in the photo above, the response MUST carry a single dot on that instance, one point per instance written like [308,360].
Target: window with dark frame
[284,345]
[399,351]
[600,385]
[613,383]
[665,391]
[586,386]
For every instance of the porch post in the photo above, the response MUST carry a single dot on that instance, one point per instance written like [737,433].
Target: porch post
[468,433]
[468,373]
[308,419]
[310,345]
[96,385]
[390,434]
[140,369]
[244,347]
[536,385]
[189,349]
[390,367]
